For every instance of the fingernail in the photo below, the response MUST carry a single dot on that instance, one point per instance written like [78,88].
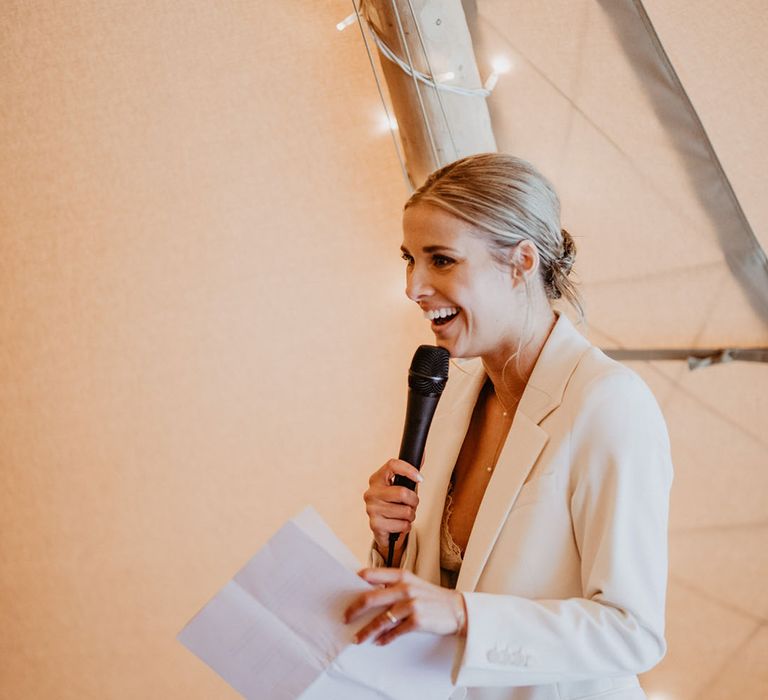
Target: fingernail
[356,639]
[419,478]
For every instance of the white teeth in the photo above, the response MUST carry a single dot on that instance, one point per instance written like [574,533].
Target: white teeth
[432,314]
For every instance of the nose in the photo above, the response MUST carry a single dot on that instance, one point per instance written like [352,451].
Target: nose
[417,284]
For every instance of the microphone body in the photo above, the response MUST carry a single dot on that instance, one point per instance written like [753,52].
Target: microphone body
[418,419]
[426,381]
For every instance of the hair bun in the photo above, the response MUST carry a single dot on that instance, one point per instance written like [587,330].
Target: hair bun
[569,253]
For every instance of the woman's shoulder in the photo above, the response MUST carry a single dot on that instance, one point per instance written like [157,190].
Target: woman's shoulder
[601,380]
[611,404]
[614,421]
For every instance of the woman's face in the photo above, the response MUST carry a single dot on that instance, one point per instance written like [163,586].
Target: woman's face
[473,303]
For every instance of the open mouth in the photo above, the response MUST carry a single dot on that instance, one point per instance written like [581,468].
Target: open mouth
[440,317]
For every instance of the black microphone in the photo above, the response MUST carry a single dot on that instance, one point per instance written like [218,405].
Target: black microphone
[426,381]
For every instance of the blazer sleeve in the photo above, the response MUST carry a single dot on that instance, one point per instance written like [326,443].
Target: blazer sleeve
[620,478]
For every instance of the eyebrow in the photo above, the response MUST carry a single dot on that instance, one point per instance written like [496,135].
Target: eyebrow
[433,249]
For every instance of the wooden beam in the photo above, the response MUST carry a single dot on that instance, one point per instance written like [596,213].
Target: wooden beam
[434,129]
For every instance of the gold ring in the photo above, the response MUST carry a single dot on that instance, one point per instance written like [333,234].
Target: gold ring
[391,617]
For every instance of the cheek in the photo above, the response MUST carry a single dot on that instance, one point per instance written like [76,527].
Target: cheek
[491,315]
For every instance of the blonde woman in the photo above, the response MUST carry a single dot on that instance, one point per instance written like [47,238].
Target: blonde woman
[538,534]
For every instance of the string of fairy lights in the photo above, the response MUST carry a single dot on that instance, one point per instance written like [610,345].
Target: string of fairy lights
[440,82]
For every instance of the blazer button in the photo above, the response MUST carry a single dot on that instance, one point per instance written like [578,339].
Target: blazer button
[499,656]
[494,656]
[517,658]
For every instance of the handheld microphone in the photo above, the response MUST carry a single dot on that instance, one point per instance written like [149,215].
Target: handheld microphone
[426,380]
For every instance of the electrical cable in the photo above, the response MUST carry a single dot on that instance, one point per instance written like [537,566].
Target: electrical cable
[423,109]
[432,72]
[423,77]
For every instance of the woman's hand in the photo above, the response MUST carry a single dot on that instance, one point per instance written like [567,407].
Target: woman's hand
[391,508]
[409,604]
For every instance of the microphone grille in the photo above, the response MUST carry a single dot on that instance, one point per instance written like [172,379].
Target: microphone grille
[429,370]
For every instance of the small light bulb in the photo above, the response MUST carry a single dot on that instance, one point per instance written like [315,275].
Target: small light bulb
[341,26]
[490,83]
[387,124]
[501,64]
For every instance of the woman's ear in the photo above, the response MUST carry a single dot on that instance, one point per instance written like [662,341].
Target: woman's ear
[524,261]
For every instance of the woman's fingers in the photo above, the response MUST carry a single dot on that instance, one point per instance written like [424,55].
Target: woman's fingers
[384,624]
[375,598]
[406,603]
[386,517]
[391,494]
[400,494]
[392,468]
[407,625]
[388,576]
[389,511]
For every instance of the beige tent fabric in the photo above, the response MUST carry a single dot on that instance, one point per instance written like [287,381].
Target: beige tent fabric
[717,51]
[202,325]
[202,322]
[654,275]
[578,106]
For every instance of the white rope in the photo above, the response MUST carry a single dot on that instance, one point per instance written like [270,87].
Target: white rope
[423,77]
[425,119]
[432,72]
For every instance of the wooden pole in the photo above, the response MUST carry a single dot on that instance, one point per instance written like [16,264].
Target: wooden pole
[434,129]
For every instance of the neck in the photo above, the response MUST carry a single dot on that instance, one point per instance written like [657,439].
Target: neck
[509,377]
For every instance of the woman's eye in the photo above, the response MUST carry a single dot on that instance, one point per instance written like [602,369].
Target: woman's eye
[407,258]
[442,261]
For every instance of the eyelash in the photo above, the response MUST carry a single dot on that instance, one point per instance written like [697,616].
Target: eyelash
[439,261]
[442,261]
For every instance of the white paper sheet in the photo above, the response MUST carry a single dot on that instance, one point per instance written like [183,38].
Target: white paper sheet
[275,631]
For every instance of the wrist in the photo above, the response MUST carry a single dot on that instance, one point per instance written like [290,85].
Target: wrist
[383,550]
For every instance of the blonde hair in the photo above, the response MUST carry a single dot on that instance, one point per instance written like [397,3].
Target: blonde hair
[508,200]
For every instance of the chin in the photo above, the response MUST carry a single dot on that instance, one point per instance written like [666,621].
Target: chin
[454,350]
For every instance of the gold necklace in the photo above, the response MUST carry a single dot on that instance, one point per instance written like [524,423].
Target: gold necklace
[505,413]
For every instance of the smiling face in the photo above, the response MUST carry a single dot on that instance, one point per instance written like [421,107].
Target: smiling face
[475,305]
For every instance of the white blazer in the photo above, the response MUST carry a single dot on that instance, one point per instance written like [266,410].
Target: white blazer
[565,570]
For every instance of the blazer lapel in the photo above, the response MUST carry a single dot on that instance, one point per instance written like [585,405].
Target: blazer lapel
[524,444]
[446,436]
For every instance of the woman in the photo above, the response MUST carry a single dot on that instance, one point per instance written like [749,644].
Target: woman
[538,533]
